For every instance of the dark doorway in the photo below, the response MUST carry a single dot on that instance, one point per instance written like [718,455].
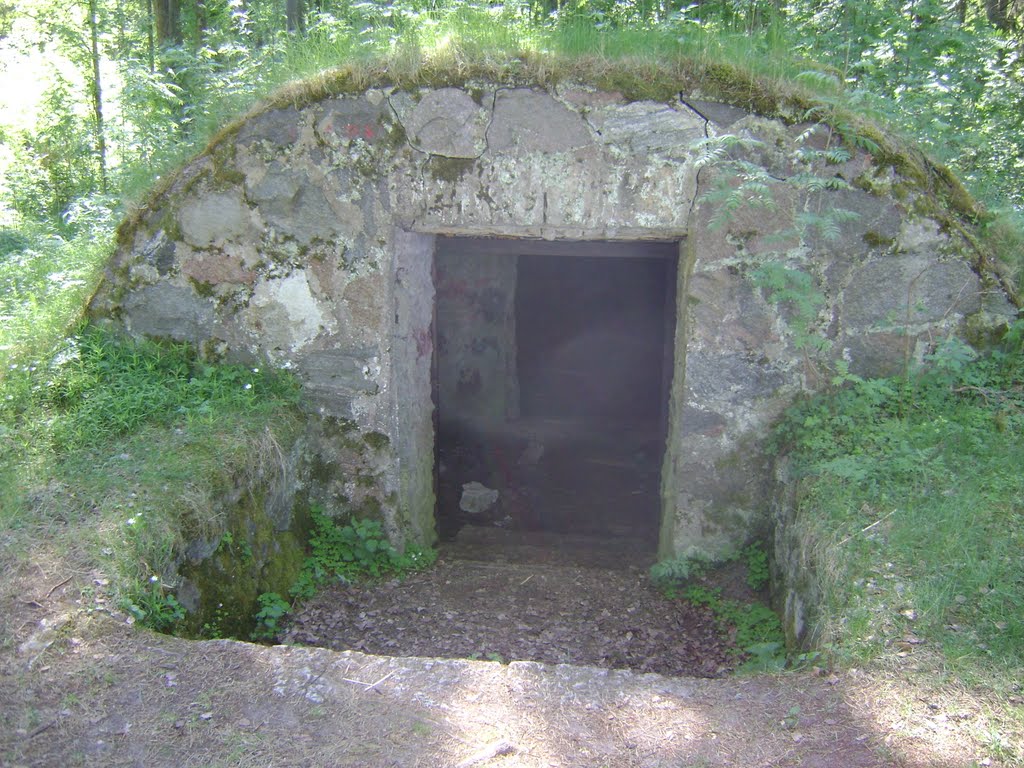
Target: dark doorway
[552,368]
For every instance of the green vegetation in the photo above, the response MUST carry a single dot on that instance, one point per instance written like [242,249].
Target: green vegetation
[114,452]
[911,503]
[752,626]
[950,75]
[354,551]
[273,608]
[756,559]
[669,574]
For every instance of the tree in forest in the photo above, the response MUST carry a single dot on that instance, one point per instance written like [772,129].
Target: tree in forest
[167,22]
[295,14]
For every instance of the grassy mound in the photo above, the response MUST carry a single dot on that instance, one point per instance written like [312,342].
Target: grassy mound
[912,501]
[112,454]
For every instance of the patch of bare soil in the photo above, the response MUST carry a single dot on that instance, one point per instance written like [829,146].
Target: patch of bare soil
[546,613]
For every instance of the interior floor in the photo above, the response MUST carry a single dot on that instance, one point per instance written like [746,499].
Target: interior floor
[564,490]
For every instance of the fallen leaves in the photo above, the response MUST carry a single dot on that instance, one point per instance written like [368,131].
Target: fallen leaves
[463,609]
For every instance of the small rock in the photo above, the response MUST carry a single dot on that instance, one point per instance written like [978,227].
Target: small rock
[477,498]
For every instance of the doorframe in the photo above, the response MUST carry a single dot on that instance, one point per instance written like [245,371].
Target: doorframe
[415,303]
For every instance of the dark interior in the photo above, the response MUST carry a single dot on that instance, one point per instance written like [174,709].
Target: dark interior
[576,456]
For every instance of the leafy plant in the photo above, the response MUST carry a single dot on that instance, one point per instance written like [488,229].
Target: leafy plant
[153,606]
[214,627]
[756,560]
[273,608]
[358,549]
[755,627]
[794,289]
[897,473]
[670,573]
[749,185]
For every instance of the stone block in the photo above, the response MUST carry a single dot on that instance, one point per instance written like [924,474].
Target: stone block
[333,378]
[159,252]
[648,128]
[533,121]
[728,314]
[286,313]
[721,377]
[697,421]
[722,115]
[288,201]
[278,126]
[343,121]
[911,289]
[446,122]
[882,353]
[168,312]
[875,224]
[214,217]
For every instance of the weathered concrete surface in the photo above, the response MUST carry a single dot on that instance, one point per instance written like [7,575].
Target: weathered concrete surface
[796,592]
[306,239]
[476,355]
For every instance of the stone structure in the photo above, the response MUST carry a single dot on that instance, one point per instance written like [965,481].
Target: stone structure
[305,237]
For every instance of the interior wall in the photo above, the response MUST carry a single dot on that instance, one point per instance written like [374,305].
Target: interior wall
[591,338]
[476,334]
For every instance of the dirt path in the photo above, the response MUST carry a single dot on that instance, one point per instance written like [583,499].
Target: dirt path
[80,687]
[128,698]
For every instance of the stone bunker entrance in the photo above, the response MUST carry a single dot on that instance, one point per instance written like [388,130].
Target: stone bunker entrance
[589,303]
[551,374]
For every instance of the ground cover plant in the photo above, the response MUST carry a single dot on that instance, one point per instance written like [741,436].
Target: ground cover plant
[750,624]
[911,503]
[113,453]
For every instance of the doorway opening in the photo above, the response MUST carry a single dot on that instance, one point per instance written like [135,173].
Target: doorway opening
[551,375]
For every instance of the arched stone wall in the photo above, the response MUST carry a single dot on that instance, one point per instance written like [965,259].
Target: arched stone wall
[305,238]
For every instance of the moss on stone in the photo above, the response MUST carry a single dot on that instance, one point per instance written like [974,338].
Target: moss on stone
[875,240]
[203,288]
[225,172]
[253,557]
[395,135]
[370,507]
[376,440]
[449,169]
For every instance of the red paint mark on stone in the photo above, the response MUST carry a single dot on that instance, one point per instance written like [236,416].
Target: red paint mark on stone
[360,131]
[424,344]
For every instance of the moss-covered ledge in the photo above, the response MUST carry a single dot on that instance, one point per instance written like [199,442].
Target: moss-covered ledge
[260,546]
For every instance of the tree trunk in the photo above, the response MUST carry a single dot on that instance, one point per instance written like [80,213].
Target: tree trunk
[202,23]
[97,96]
[168,22]
[151,47]
[296,15]
[997,13]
